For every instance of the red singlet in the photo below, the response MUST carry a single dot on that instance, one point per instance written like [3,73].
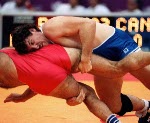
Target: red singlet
[42,70]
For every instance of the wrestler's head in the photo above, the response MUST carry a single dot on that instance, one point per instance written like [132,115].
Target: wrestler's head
[27,38]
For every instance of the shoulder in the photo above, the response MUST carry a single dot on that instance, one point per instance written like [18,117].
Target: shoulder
[58,21]
[53,25]
[55,19]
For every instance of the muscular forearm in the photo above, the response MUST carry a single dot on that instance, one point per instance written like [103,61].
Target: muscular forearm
[87,35]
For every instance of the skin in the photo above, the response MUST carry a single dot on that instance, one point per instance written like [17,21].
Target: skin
[62,90]
[78,33]
[70,38]
[86,34]
[65,90]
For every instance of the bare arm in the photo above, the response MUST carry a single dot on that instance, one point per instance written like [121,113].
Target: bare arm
[71,88]
[73,32]
[20,97]
[87,34]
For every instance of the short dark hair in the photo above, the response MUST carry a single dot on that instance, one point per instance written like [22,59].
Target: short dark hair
[19,34]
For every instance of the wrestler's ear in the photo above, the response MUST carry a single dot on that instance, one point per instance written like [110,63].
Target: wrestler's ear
[32,30]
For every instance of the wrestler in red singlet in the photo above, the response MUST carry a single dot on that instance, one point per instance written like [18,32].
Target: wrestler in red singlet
[42,70]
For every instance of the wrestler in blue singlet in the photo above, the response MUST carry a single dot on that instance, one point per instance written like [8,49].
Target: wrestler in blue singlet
[117,46]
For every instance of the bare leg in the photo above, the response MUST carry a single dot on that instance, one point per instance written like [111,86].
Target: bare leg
[70,88]
[112,69]
[143,75]
[106,68]
[116,69]
[134,61]
[109,91]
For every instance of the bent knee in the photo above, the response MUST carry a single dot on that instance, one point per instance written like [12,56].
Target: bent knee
[129,63]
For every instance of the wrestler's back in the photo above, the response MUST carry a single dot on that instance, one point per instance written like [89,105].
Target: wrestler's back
[103,32]
[69,37]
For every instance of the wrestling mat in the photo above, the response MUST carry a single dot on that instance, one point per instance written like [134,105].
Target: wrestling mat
[52,110]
